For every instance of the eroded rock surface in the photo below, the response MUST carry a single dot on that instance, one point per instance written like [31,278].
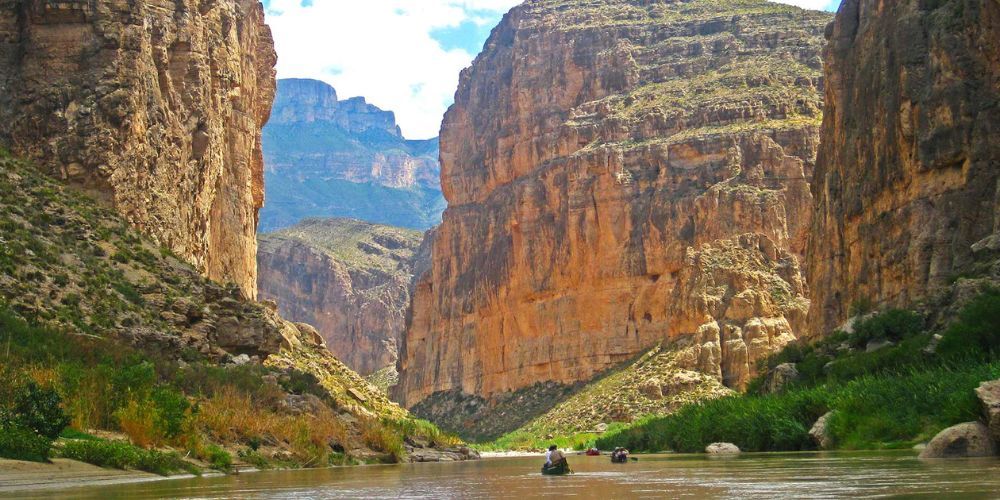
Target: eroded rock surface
[620,173]
[157,106]
[968,440]
[906,179]
[349,279]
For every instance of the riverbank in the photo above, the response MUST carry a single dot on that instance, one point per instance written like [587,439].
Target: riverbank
[18,475]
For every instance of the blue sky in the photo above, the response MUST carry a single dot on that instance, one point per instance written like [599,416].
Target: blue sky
[402,55]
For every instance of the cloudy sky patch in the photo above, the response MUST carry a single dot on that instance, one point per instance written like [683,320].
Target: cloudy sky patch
[402,55]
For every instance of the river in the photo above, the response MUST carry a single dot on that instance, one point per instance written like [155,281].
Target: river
[802,475]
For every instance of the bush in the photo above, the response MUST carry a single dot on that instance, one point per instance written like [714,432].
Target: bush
[21,443]
[977,331]
[893,325]
[754,423]
[122,455]
[874,411]
[218,458]
[39,410]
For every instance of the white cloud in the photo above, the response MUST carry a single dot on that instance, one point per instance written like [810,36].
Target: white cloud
[383,50]
[380,49]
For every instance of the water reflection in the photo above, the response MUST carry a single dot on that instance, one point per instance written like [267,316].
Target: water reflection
[805,475]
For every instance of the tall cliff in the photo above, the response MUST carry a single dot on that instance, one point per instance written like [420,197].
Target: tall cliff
[906,181]
[157,106]
[349,279]
[326,157]
[621,173]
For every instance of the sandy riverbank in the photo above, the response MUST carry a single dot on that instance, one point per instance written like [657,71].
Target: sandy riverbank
[16,475]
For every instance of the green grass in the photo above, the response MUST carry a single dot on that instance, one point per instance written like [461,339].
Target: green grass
[874,411]
[123,455]
[890,398]
[22,443]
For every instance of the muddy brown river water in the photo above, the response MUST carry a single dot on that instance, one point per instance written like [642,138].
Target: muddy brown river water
[803,475]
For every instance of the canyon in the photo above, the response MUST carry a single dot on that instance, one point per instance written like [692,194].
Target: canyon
[326,157]
[349,279]
[155,107]
[657,191]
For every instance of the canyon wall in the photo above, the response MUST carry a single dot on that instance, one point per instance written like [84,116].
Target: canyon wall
[906,183]
[156,106]
[349,279]
[620,173]
[326,157]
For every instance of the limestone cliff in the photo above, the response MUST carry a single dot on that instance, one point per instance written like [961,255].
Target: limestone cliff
[349,279]
[906,181]
[157,106]
[326,157]
[621,173]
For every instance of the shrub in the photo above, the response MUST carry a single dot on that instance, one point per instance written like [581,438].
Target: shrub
[21,443]
[122,455]
[977,331]
[894,325]
[138,421]
[39,410]
[218,458]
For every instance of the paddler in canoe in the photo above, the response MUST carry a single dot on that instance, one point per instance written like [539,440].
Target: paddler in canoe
[555,462]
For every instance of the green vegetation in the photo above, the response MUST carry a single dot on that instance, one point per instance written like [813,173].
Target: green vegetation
[98,331]
[896,396]
[122,455]
[360,244]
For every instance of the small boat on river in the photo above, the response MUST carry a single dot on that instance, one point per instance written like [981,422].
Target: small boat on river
[559,469]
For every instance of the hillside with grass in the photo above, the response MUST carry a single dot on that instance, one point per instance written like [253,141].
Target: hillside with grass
[887,382]
[116,352]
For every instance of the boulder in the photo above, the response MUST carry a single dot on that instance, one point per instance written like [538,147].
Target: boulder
[820,432]
[779,378]
[971,439]
[722,449]
[989,395]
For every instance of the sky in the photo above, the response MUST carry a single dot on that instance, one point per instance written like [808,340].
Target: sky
[402,55]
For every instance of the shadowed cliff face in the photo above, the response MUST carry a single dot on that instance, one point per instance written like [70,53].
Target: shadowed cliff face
[349,279]
[907,177]
[621,173]
[158,106]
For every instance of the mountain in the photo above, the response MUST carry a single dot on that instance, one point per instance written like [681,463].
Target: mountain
[330,158]
[619,174]
[155,110]
[127,290]
[348,278]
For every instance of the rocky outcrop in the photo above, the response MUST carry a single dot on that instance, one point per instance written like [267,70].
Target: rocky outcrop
[906,178]
[326,157]
[620,173]
[349,279]
[157,106]
[820,432]
[722,449]
[968,440]
[989,395]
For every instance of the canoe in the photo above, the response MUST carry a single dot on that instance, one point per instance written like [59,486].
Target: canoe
[557,470]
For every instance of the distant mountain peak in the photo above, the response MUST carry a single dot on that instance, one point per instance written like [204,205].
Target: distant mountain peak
[304,100]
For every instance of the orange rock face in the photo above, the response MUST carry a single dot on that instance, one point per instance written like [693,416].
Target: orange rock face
[157,106]
[620,173]
[349,279]
[907,176]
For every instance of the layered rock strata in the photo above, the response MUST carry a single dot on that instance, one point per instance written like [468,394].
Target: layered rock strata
[621,173]
[157,106]
[326,157]
[906,181]
[349,279]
